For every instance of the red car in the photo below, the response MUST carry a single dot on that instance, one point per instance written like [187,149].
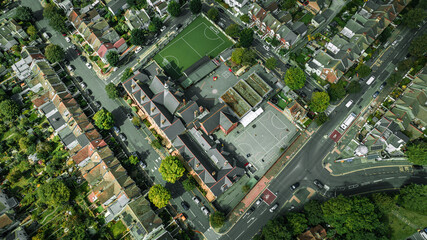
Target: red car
[64,34]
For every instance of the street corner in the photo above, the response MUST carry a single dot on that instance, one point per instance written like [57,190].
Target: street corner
[328,167]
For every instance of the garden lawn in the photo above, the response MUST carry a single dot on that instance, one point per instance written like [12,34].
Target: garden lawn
[117,229]
[399,229]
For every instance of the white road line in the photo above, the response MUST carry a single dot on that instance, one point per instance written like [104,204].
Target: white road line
[240,234]
[263,211]
[402,177]
[379,180]
[389,178]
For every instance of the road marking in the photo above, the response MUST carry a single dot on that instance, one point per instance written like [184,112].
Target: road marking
[389,178]
[263,211]
[402,177]
[240,234]
[379,180]
[365,183]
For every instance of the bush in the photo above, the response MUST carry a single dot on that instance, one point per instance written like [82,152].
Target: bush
[217,219]
[156,144]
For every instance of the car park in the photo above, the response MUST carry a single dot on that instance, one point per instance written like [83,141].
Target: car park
[185,205]
[88,65]
[122,137]
[274,207]
[294,186]
[318,183]
[67,39]
[375,95]
[205,210]
[83,85]
[196,199]
[138,49]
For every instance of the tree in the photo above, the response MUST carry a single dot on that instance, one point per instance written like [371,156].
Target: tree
[414,197]
[413,18]
[385,34]
[394,78]
[103,119]
[313,212]
[245,18]
[271,63]
[321,118]
[155,24]
[136,121]
[156,144]
[54,193]
[384,202]
[246,188]
[287,4]
[319,101]
[233,30]
[25,144]
[137,37]
[336,92]
[217,219]
[32,31]
[213,14]
[248,57]
[9,109]
[23,14]
[276,230]
[295,78]
[418,46]
[405,65]
[237,54]
[137,3]
[133,160]
[297,222]
[54,53]
[57,22]
[189,183]
[195,6]
[347,215]
[126,74]
[363,70]
[171,169]
[113,58]
[174,8]
[112,91]
[50,10]
[159,195]
[353,87]
[246,37]
[416,152]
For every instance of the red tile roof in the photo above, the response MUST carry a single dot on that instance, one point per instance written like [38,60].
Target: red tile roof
[119,43]
[104,48]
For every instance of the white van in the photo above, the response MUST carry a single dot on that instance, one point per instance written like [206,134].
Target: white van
[46,36]
[370,80]
[348,104]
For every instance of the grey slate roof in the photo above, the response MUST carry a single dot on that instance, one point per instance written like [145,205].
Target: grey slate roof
[220,115]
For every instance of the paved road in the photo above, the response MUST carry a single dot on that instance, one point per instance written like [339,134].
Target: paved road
[307,164]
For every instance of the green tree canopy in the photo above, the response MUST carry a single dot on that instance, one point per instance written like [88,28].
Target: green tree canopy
[233,30]
[50,10]
[217,219]
[416,152]
[54,193]
[276,230]
[384,201]
[297,222]
[103,119]
[353,87]
[171,169]
[350,215]
[237,55]
[414,17]
[394,78]
[321,118]
[23,14]
[113,58]
[295,78]
[9,109]
[137,37]
[54,53]
[174,8]
[137,3]
[313,212]
[189,183]
[363,70]
[243,56]
[159,195]
[271,63]
[336,92]
[57,22]
[248,57]
[155,24]
[414,197]
[246,37]
[112,91]
[32,31]
[213,14]
[319,101]
[133,160]
[287,4]
[418,46]
[245,18]
[195,6]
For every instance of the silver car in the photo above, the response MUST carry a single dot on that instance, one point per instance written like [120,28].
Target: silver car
[274,207]
[205,210]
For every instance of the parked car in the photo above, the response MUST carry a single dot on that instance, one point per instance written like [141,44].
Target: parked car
[83,58]
[97,104]
[196,199]
[294,186]
[375,95]
[318,183]
[71,68]
[383,85]
[250,211]
[205,210]
[266,47]
[185,205]
[220,10]
[88,92]
[142,164]
[46,35]
[258,202]
[274,207]
[79,79]
[122,137]
[73,47]
[138,49]
[116,130]
[88,65]
[163,28]
[67,39]
[178,26]
[130,116]
[83,85]
[348,104]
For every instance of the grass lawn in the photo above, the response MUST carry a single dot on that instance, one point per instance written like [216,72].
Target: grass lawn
[33,117]
[117,229]
[306,18]
[282,104]
[199,39]
[399,229]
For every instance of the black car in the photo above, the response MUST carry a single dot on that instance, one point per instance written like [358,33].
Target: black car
[383,85]
[185,205]
[130,116]
[220,10]
[79,79]
[375,95]
[88,92]
[250,211]
[97,104]
[302,94]
[66,62]
[318,183]
[122,137]
[178,26]
[294,186]
[83,58]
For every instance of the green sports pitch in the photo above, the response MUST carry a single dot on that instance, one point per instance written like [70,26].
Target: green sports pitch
[200,38]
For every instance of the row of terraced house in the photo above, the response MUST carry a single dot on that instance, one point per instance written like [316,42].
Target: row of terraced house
[348,47]
[110,185]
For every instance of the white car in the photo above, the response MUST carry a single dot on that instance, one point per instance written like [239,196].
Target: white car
[138,49]
[196,199]
[67,39]
[88,65]
[272,209]
[205,210]
[266,47]
[163,28]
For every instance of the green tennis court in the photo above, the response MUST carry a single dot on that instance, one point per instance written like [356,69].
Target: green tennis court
[200,38]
